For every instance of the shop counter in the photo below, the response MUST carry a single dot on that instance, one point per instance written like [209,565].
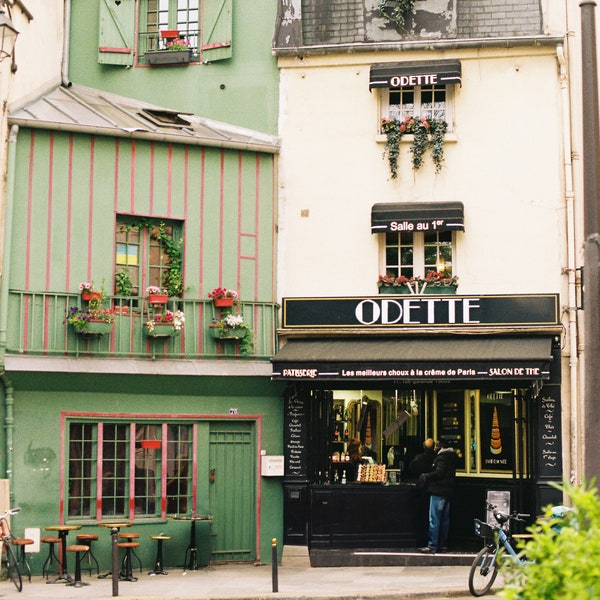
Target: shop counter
[364,515]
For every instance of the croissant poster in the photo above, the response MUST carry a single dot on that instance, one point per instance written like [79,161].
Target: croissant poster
[496,422]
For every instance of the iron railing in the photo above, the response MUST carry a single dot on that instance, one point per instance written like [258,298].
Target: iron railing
[37,326]
[150,41]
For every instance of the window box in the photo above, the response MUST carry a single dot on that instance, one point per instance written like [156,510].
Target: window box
[222,333]
[158,298]
[160,330]
[419,291]
[168,57]
[96,328]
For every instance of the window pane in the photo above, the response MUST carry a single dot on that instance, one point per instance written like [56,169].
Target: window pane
[147,472]
[179,469]
[115,470]
[82,469]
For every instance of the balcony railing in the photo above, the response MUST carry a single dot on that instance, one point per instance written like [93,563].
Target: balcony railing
[37,326]
[151,41]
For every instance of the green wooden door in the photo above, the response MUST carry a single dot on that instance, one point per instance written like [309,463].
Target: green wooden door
[232,491]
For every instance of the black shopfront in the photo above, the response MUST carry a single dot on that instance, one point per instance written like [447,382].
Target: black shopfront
[480,371]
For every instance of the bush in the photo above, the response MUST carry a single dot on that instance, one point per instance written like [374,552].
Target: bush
[564,550]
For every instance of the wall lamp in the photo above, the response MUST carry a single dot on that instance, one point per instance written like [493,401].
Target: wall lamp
[8,34]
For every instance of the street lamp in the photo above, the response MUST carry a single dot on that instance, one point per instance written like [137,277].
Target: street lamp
[8,35]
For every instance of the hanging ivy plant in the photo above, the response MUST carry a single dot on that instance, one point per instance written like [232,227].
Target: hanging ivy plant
[426,132]
[396,11]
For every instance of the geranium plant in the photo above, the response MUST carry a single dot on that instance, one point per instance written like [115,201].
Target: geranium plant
[152,290]
[426,133]
[231,323]
[178,44]
[418,284]
[174,318]
[86,287]
[221,292]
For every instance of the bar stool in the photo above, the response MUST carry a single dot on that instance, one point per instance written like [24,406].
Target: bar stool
[79,549]
[158,565]
[126,573]
[86,539]
[52,557]
[21,543]
[129,536]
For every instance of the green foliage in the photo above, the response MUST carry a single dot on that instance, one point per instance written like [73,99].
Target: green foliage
[564,551]
[396,10]
[426,133]
[123,285]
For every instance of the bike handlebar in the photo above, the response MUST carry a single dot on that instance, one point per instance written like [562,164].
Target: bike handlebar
[503,517]
[10,511]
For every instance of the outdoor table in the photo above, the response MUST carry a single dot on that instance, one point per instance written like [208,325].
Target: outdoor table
[63,531]
[192,548]
[112,527]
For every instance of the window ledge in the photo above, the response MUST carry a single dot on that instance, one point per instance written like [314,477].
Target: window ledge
[449,138]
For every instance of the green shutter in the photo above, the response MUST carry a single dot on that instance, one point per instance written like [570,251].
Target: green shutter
[216,30]
[117,32]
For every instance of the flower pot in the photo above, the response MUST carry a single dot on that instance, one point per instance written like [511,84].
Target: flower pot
[419,289]
[161,330]
[221,302]
[96,328]
[394,289]
[168,57]
[157,298]
[220,333]
[150,444]
[440,290]
[89,296]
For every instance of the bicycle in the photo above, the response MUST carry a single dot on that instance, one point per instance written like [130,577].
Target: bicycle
[484,569]
[10,565]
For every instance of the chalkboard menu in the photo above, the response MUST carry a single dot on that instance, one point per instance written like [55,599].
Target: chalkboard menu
[295,436]
[451,422]
[549,455]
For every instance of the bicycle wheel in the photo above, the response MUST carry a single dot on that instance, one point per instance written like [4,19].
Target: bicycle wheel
[483,572]
[12,568]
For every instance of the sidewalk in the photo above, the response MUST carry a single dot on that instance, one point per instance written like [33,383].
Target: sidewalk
[244,581]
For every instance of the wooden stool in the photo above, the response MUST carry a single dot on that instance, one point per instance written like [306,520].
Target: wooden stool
[21,543]
[78,549]
[126,573]
[86,539]
[129,537]
[50,540]
[158,565]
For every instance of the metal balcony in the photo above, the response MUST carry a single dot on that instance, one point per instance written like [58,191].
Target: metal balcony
[37,327]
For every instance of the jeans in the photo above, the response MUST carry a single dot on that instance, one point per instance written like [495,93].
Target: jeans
[439,522]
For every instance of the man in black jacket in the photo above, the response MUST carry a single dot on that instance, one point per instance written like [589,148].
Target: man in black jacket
[440,484]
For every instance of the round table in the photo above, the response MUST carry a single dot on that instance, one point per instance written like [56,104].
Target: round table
[63,531]
[192,548]
[114,530]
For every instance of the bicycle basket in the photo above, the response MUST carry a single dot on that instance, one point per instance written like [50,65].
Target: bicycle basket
[483,530]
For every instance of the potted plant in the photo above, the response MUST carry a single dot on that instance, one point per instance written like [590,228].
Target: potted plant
[90,321]
[88,293]
[156,295]
[426,133]
[434,282]
[123,284]
[223,297]
[177,52]
[233,327]
[165,324]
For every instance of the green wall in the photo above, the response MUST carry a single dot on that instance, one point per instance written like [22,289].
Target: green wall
[242,90]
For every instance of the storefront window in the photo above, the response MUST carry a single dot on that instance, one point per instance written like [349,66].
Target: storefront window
[485,427]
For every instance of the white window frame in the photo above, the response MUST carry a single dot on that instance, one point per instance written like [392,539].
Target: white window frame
[418,246]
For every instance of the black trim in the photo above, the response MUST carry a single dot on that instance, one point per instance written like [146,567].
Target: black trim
[417,216]
[427,72]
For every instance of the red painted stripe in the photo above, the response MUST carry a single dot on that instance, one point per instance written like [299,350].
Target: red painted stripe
[61,471]
[114,50]
[239,225]
[116,182]
[99,474]
[151,188]
[195,469]
[69,214]
[28,235]
[201,289]
[45,334]
[221,215]
[91,209]
[256,225]
[132,471]
[169,179]
[132,175]
[273,229]
[163,477]
[258,485]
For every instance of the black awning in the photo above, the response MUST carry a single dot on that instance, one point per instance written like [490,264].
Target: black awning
[404,74]
[415,359]
[417,216]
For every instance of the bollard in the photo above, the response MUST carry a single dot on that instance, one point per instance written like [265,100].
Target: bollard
[114,533]
[274,564]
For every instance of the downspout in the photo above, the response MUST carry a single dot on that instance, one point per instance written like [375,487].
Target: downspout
[574,457]
[9,422]
[64,68]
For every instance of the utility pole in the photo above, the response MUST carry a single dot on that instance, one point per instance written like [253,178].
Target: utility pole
[591,269]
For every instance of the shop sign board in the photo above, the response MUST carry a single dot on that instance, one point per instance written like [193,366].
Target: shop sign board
[421,311]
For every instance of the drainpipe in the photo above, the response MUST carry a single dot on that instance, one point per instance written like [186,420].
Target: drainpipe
[64,69]
[573,462]
[9,423]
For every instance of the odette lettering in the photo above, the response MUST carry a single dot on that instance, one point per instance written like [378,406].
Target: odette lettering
[418,311]
[403,80]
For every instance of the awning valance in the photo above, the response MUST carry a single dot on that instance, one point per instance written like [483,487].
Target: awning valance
[417,216]
[415,360]
[404,74]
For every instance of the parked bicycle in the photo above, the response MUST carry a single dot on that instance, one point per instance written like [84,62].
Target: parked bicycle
[484,569]
[10,565]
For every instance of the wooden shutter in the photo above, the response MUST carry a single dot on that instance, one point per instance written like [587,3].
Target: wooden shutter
[117,32]
[217,29]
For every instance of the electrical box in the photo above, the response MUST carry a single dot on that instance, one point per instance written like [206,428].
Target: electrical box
[271,466]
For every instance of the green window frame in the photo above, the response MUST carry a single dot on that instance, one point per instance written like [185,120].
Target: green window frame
[129,469]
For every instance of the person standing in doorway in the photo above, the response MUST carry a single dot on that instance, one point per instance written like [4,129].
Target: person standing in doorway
[440,484]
